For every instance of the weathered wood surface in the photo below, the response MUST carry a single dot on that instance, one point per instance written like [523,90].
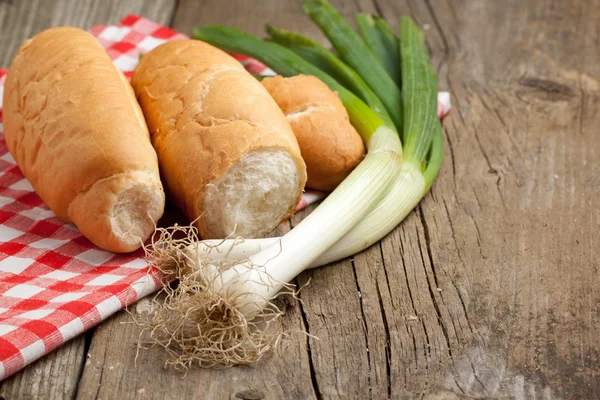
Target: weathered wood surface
[488,290]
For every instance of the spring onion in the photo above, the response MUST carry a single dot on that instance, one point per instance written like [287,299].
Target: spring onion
[325,60]
[419,97]
[227,302]
[353,50]
[382,41]
[412,183]
[215,317]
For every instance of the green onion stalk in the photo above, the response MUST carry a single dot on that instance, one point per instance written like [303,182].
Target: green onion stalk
[382,41]
[354,51]
[423,146]
[345,207]
[220,312]
[216,318]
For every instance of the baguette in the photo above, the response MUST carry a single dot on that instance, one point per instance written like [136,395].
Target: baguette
[72,123]
[329,144]
[228,157]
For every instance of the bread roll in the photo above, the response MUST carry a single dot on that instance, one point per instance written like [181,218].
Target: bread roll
[228,157]
[329,144]
[73,125]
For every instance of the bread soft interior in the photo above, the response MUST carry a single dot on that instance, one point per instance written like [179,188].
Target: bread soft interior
[250,198]
[118,213]
[135,211]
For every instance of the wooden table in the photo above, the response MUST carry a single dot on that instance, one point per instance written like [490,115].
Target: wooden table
[489,289]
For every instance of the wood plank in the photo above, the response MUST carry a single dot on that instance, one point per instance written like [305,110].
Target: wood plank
[52,377]
[56,375]
[511,220]
[251,16]
[21,19]
[488,289]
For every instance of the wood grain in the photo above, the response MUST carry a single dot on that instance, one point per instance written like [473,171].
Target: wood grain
[21,19]
[52,377]
[490,288]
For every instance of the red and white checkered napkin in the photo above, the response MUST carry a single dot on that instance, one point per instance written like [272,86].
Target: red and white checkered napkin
[54,283]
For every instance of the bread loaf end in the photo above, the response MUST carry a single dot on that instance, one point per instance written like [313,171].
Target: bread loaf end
[118,213]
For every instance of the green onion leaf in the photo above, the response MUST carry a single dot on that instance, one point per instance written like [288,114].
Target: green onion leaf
[419,93]
[325,60]
[382,41]
[353,50]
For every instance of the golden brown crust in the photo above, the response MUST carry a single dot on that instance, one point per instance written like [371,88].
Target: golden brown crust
[329,144]
[97,210]
[205,111]
[71,120]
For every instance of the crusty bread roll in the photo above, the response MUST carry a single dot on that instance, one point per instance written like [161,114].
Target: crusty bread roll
[228,157]
[73,125]
[329,144]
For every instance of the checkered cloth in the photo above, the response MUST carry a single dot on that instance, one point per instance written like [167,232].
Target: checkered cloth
[54,283]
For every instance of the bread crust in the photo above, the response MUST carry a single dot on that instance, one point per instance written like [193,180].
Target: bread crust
[205,111]
[71,120]
[329,144]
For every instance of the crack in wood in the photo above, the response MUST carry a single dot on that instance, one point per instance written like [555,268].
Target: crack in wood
[434,301]
[385,272]
[431,294]
[476,199]
[462,302]
[478,236]
[438,27]
[365,327]
[86,348]
[102,367]
[313,374]
[485,389]
[451,147]
[494,111]
[427,355]
[491,170]
[378,8]
[173,13]
[388,343]
[427,350]
[456,244]
[548,86]
[412,302]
